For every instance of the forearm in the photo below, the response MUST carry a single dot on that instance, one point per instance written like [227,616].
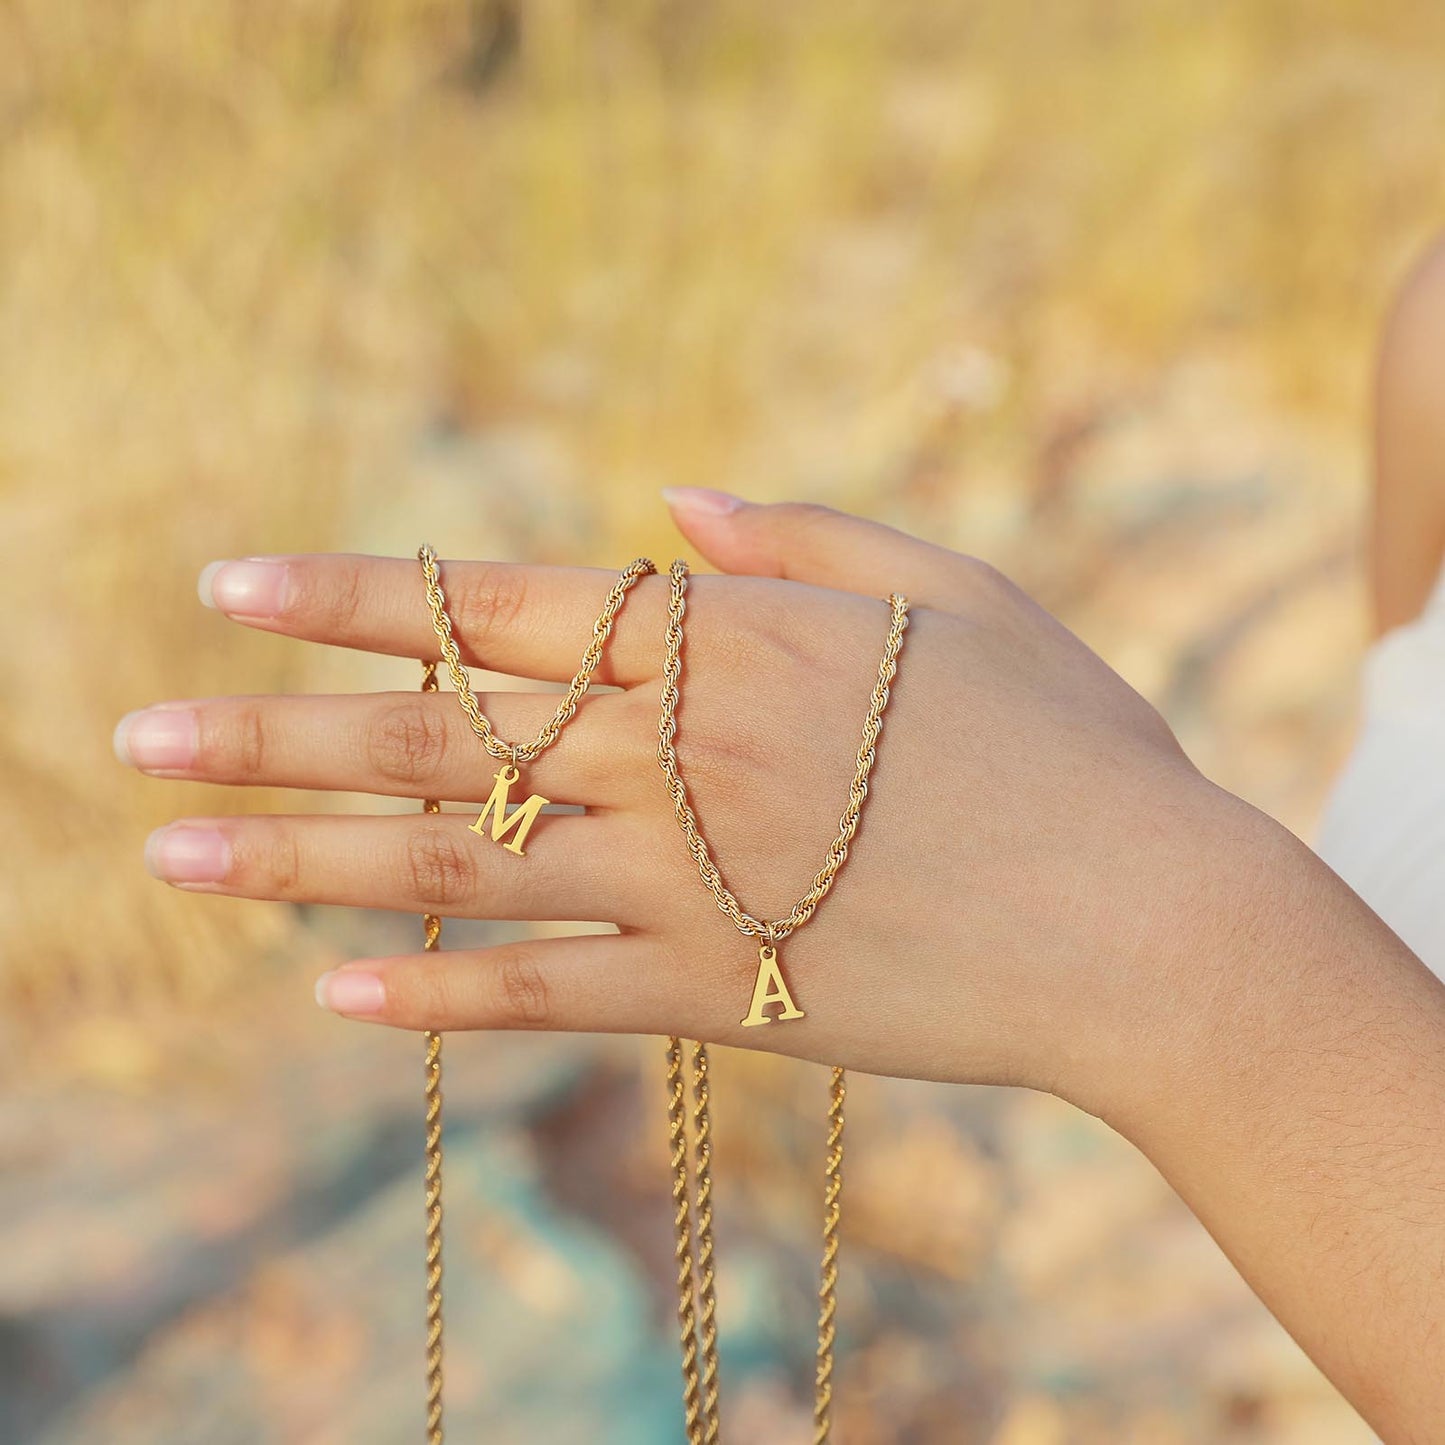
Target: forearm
[1299,1109]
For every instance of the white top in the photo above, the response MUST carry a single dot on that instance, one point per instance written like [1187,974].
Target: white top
[1383,828]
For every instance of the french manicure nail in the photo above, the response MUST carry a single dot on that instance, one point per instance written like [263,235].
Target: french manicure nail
[188,853]
[349,991]
[701,501]
[251,587]
[157,738]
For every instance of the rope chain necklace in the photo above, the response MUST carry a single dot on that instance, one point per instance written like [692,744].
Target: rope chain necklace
[512,755]
[698,1328]
[432,1172]
[520,820]
[691,1177]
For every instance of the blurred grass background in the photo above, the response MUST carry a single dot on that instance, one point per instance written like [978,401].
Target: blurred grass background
[1086,288]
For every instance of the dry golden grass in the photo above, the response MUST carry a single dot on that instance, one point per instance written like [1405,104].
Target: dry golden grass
[333,274]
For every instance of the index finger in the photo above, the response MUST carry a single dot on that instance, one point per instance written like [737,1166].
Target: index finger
[528,621]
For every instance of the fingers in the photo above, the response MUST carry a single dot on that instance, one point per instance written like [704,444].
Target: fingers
[582,868]
[595,983]
[807,543]
[528,621]
[399,744]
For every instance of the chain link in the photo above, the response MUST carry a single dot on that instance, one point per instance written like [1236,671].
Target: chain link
[828,1280]
[512,754]
[432,1094]
[682,1243]
[771,931]
[777,929]
[692,1221]
[702,1204]
[515,753]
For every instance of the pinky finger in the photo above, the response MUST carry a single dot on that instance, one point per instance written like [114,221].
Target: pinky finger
[590,983]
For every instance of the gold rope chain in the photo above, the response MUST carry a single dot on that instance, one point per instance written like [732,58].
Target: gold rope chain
[514,753]
[802,910]
[695,1278]
[432,1097]
[697,1331]
[697,1304]
[511,754]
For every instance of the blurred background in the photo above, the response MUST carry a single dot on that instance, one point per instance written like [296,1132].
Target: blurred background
[1087,287]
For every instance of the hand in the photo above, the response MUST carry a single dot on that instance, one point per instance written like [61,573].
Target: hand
[1042,891]
[1009,911]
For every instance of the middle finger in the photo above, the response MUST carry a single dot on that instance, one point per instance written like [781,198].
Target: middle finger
[400,744]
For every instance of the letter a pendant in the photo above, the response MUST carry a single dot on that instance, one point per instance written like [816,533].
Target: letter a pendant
[520,818]
[768,988]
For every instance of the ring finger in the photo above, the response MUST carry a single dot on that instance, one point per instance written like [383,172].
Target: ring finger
[572,868]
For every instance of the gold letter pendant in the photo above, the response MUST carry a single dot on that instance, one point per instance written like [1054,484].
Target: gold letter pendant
[521,818]
[768,988]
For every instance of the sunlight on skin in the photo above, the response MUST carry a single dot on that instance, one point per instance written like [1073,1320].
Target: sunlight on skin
[1112,928]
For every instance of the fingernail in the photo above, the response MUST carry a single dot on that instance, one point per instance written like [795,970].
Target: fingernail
[348,991]
[157,738]
[701,501]
[251,587]
[188,853]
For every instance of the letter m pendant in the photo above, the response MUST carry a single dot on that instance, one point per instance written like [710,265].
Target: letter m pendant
[519,820]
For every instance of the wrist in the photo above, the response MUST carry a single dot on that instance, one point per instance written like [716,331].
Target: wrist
[1267,968]
[1239,935]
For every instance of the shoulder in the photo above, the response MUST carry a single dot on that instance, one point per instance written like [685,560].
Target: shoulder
[1408,540]
[1412,352]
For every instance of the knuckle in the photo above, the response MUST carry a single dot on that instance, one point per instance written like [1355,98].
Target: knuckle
[406,743]
[772,651]
[423,997]
[768,640]
[522,991]
[486,603]
[784,647]
[443,871]
[233,742]
[251,742]
[985,580]
[720,755]
[331,596]
[800,517]
[277,862]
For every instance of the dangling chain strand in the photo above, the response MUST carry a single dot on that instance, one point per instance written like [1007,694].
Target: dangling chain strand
[519,822]
[432,1094]
[682,1248]
[828,1277]
[706,1293]
[693,1228]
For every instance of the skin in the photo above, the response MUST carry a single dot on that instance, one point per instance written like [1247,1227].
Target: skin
[1408,533]
[1043,891]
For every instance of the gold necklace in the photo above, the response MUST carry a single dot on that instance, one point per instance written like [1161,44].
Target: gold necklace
[510,755]
[432,1170]
[697,1304]
[699,1333]
[520,820]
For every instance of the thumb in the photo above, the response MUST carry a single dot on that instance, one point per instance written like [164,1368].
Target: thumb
[808,543]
